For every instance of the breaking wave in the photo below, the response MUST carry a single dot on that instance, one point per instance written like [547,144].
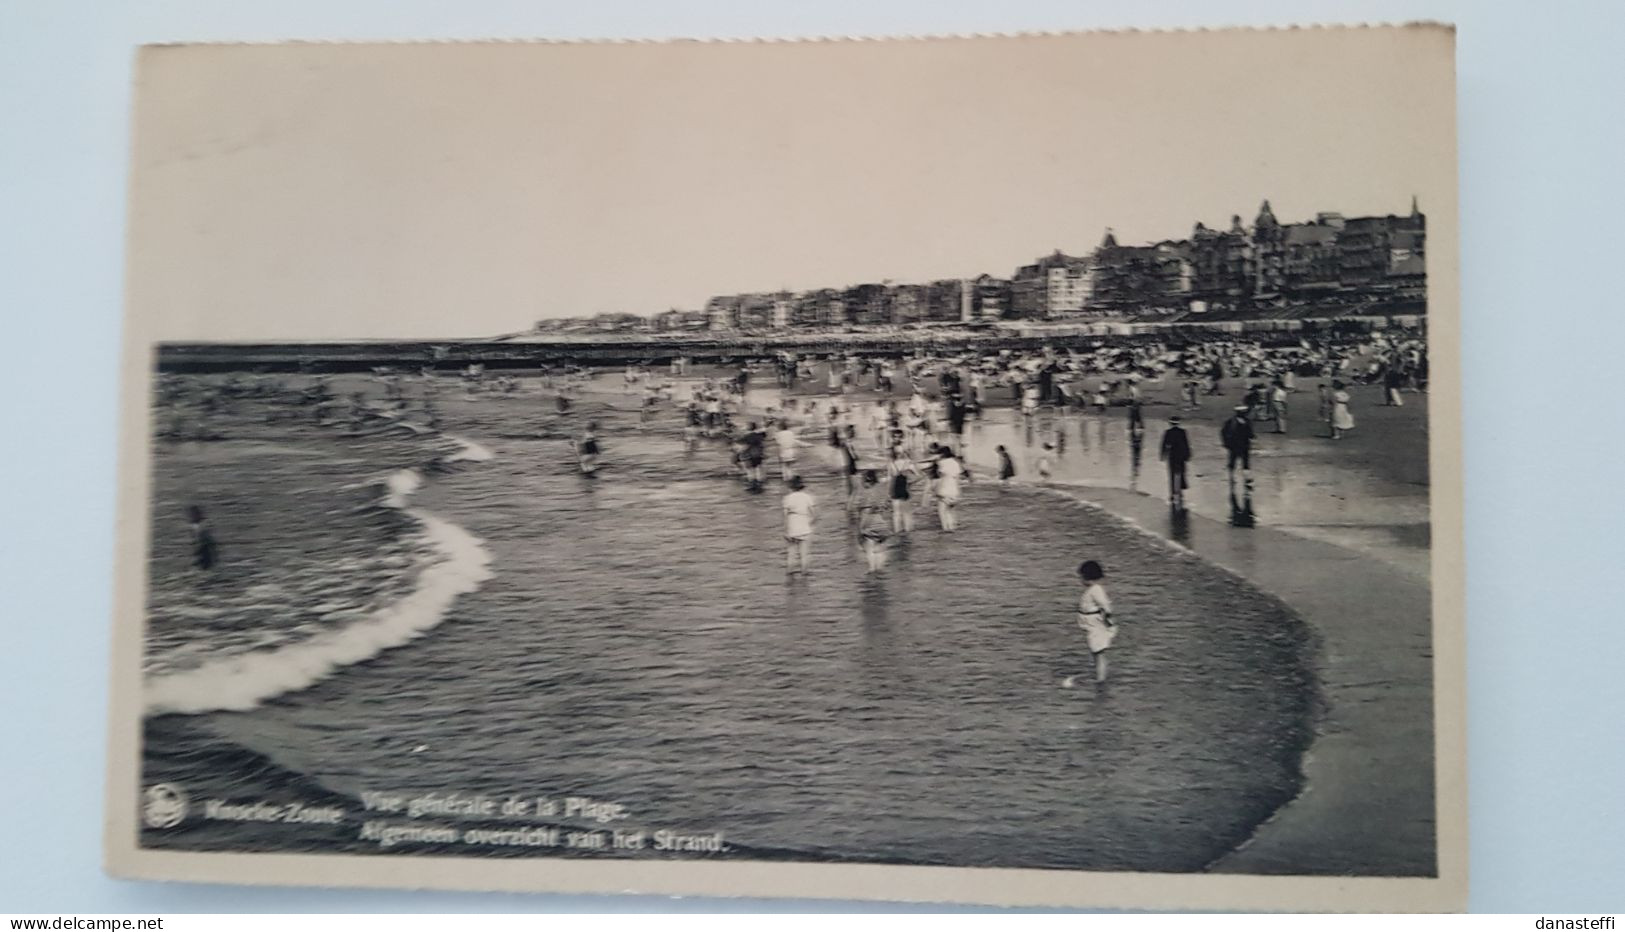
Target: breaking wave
[457,564]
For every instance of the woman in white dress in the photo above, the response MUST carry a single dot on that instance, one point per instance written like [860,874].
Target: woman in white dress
[1095,618]
[1341,418]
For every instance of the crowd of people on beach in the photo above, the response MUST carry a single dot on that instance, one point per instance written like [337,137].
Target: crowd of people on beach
[893,453]
[893,428]
[911,458]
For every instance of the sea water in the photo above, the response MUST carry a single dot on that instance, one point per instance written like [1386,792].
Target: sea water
[634,638]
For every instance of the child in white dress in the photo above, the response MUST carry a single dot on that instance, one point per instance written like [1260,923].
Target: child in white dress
[1095,618]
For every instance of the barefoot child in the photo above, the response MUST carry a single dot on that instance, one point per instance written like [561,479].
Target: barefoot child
[1095,618]
[1045,461]
[898,472]
[752,456]
[1007,466]
[587,449]
[949,475]
[788,444]
[691,427]
[798,522]
[205,553]
[872,527]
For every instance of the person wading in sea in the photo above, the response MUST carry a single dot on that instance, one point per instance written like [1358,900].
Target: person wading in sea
[205,552]
[949,474]
[587,450]
[1095,618]
[849,471]
[872,527]
[788,444]
[898,472]
[754,453]
[1007,466]
[798,522]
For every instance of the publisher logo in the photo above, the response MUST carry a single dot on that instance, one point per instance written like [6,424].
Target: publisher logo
[165,806]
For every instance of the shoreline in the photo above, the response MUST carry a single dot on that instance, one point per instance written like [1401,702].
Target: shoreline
[1367,792]
[1367,796]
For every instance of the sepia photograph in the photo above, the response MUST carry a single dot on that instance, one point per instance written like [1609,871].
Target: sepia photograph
[1015,470]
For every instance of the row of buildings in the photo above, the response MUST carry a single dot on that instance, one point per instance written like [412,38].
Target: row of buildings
[1331,259]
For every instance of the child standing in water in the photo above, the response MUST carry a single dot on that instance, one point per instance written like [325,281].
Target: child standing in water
[754,452]
[798,518]
[949,473]
[205,553]
[1046,461]
[872,527]
[898,472]
[1095,618]
[691,426]
[587,449]
[1007,466]
[788,443]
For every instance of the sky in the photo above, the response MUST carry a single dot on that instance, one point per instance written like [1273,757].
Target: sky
[437,190]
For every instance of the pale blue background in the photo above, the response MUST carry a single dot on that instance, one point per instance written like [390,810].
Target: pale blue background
[1540,127]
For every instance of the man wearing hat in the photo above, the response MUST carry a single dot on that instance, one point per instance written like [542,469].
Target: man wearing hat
[1237,435]
[1176,452]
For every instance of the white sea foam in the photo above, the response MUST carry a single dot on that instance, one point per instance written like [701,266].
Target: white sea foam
[242,681]
[401,484]
[470,451]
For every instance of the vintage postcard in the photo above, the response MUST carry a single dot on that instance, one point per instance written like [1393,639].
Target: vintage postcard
[1011,470]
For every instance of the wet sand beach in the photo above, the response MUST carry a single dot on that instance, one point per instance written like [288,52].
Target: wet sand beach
[1368,795]
[1342,538]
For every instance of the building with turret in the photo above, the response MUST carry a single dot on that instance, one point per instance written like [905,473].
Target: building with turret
[1267,263]
[1343,260]
[1131,278]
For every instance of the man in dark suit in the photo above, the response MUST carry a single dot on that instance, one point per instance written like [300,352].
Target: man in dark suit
[1237,435]
[1176,452]
[956,414]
